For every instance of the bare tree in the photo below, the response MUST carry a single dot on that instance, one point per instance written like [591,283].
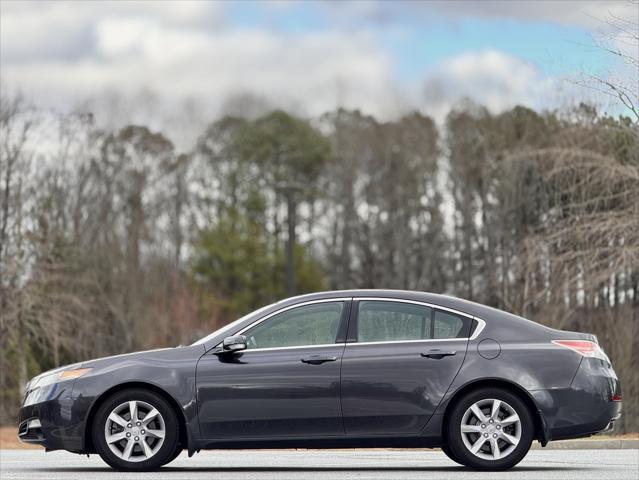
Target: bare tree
[16,124]
[619,37]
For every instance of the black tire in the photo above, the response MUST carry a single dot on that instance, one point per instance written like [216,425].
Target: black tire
[174,456]
[462,454]
[166,451]
[449,453]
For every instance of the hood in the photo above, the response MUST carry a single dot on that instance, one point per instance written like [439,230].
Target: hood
[124,356]
[155,355]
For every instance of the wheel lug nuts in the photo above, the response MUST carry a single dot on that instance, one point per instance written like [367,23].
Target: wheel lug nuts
[490,421]
[138,438]
[498,427]
[483,426]
[494,435]
[486,435]
[128,434]
[129,426]
[138,423]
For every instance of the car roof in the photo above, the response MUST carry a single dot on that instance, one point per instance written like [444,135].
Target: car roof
[492,315]
[447,301]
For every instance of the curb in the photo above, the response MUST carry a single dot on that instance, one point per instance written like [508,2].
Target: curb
[589,444]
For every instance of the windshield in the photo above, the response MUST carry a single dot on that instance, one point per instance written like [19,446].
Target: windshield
[231,325]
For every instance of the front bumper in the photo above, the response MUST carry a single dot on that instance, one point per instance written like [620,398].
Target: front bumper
[56,420]
[30,431]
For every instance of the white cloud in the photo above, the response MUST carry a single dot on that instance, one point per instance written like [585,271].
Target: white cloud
[584,13]
[494,79]
[65,29]
[145,53]
[168,53]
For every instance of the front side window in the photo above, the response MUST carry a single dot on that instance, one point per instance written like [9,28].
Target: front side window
[386,321]
[315,324]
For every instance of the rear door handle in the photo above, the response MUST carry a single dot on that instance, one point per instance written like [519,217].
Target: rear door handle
[437,354]
[318,359]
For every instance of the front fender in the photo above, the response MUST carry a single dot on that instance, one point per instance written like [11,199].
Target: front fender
[170,373]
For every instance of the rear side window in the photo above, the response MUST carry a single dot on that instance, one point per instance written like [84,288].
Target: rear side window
[387,321]
[449,325]
[391,321]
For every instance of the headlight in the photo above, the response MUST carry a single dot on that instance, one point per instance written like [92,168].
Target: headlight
[58,376]
[34,389]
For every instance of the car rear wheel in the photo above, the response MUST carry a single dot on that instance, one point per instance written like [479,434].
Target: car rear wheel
[490,429]
[136,430]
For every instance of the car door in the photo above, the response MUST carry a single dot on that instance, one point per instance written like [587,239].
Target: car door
[286,383]
[400,358]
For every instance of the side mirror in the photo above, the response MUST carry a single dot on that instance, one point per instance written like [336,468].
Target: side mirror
[235,343]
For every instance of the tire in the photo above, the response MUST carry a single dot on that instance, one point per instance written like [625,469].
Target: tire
[146,443]
[449,453]
[493,441]
[174,456]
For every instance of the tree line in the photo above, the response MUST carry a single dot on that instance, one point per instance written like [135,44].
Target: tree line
[117,240]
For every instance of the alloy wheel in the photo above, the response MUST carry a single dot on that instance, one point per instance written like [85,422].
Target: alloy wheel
[134,431]
[491,429]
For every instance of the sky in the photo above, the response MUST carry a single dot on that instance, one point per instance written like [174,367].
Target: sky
[150,58]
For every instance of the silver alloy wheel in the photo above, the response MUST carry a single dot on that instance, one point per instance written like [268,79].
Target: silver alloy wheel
[491,429]
[134,431]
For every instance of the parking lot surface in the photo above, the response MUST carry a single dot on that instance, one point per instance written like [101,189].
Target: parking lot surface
[326,464]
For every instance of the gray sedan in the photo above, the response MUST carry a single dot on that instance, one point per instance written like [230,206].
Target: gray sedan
[345,369]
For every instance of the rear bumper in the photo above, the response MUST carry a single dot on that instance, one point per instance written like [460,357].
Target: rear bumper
[586,407]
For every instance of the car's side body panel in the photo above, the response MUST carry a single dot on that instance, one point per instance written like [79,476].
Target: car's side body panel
[572,400]
[274,392]
[269,393]
[394,387]
[391,389]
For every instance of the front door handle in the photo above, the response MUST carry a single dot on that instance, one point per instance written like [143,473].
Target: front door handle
[318,359]
[437,354]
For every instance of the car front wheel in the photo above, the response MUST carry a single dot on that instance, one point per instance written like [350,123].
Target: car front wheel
[490,429]
[136,430]
[449,453]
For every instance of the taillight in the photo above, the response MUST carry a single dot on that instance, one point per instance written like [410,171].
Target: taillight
[585,348]
[616,397]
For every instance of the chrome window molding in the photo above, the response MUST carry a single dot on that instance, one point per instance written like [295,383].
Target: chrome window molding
[268,349]
[417,302]
[481,324]
[422,340]
[480,328]
[282,310]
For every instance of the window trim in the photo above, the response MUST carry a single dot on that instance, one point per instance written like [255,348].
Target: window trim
[343,300]
[481,324]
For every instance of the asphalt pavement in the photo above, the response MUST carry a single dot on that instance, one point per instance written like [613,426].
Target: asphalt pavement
[326,464]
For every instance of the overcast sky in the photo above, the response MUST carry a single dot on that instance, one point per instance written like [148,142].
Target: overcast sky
[381,57]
